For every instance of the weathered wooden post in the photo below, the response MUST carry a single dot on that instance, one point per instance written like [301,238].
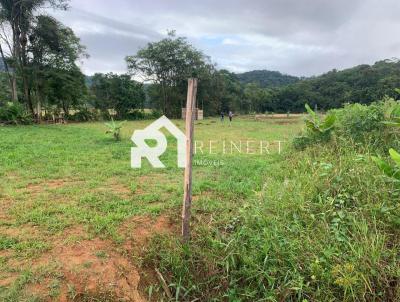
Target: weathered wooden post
[187,195]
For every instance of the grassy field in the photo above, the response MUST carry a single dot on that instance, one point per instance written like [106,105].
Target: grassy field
[77,223]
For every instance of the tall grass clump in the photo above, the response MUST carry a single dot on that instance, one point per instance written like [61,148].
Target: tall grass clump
[321,224]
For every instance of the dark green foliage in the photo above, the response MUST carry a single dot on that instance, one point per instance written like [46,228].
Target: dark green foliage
[4,88]
[363,84]
[168,64]
[84,115]
[142,115]
[118,92]
[266,78]
[64,89]
[14,113]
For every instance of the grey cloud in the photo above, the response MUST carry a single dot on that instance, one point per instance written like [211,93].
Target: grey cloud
[301,37]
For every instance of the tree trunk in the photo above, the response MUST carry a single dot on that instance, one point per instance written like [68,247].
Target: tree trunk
[11,78]
[24,63]
[164,99]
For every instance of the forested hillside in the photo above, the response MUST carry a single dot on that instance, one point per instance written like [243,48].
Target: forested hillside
[266,78]
[363,83]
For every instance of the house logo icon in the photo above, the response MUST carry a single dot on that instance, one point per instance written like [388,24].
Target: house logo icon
[152,132]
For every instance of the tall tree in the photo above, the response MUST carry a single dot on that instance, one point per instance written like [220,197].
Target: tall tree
[54,47]
[18,16]
[168,64]
[118,92]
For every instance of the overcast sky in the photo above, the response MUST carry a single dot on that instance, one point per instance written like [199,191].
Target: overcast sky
[298,37]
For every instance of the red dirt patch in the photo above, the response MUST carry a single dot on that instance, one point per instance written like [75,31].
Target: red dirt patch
[37,188]
[92,267]
[6,281]
[139,230]
[5,205]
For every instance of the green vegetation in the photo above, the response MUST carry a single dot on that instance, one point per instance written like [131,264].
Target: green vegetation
[392,172]
[66,185]
[118,92]
[115,129]
[318,222]
[40,73]
[40,59]
[266,78]
[317,130]
[321,224]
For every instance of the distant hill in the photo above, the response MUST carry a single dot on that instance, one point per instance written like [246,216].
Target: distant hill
[360,84]
[267,78]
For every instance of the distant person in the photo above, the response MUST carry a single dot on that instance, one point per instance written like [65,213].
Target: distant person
[230,116]
[222,116]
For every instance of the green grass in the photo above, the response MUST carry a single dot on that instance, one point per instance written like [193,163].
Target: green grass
[321,224]
[59,177]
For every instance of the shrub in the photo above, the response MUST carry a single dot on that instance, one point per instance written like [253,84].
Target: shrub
[142,115]
[14,113]
[357,122]
[317,130]
[115,129]
[84,115]
[391,171]
[136,115]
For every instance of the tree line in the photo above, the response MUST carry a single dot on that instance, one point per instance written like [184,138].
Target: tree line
[40,73]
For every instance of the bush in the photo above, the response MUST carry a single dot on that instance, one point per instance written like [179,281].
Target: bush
[317,130]
[142,115]
[358,122]
[14,113]
[84,115]
[361,125]
[135,115]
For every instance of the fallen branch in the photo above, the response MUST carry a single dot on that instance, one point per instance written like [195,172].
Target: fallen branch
[163,284]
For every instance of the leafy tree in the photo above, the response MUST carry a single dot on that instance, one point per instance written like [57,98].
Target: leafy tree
[65,88]
[168,64]
[118,92]
[17,18]
[55,49]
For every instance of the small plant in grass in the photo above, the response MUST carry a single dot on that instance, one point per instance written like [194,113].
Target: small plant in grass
[115,129]
[389,170]
[317,130]
[318,127]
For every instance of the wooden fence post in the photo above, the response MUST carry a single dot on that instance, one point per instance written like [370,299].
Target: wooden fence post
[187,189]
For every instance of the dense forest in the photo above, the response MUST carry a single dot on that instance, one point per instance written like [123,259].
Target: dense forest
[363,84]
[40,77]
[266,78]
